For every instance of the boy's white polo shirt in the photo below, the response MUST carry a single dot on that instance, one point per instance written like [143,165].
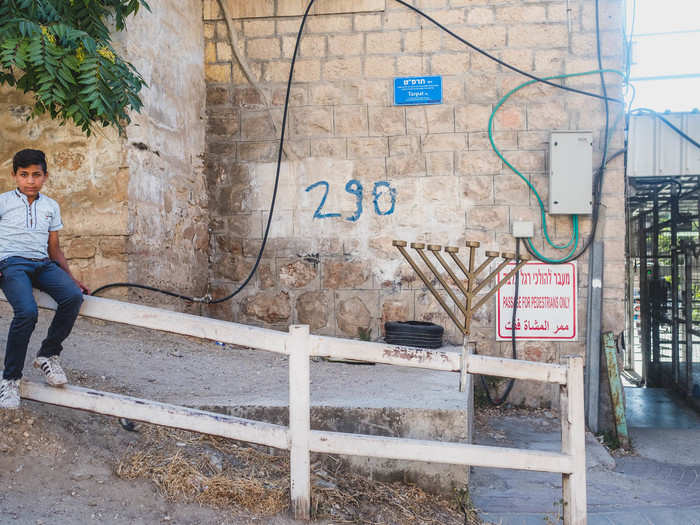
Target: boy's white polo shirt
[24,227]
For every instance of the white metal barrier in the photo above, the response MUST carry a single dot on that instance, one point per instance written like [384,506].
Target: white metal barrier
[298,438]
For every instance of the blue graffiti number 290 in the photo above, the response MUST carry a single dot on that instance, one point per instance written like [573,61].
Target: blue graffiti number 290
[354,187]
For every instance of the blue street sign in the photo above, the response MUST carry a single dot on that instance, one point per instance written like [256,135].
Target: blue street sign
[417,90]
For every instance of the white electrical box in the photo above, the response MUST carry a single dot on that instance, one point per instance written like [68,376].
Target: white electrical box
[571,172]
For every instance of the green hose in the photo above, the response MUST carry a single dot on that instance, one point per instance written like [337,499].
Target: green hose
[574,219]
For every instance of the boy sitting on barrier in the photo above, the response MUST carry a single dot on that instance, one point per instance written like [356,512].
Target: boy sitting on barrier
[30,256]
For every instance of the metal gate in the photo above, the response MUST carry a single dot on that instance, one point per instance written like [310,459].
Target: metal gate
[663,337]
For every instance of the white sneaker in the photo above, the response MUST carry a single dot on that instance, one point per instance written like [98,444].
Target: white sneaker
[51,366]
[9,394]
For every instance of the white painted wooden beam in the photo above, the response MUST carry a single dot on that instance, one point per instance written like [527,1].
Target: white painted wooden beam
[299,420]
[158,413]
[517,369]
[174,322]
[439,452]
[337,348]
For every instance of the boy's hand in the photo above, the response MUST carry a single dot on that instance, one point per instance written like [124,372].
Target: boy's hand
[82,287]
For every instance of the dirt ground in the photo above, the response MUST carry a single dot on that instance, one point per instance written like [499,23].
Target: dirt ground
[58,465]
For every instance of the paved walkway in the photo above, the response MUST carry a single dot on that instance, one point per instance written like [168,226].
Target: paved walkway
[659,485]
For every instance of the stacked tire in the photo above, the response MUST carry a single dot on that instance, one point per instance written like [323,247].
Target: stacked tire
[420,334]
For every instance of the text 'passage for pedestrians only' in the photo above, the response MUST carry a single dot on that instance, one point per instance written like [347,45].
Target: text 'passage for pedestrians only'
[546,308]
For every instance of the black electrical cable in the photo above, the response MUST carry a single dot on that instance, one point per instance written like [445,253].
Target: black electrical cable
[600,173]
[511,382]
[651,112]
[209,300]
[505,64]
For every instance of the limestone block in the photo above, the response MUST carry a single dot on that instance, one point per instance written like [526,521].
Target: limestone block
[397,308]
[263,48]
[480,16]
[346,45]
[224,52]
[406,166]
[246,98]
[258,28]
[422,41]
[386,121]
[274,72]
[483,87]
[342,68]
[226,124]
[478,162]
[552,115]
[238,9]
[313,46]
[505,140]
[477,189]
[440,163]
[449,63]
[549,62]
[472,117]
[340,273]
[217,95]
[408,65]
[80,248]
[313,308]
[494,218]
[450,17]
[510,117]
[385,42]
[444,142]
[488,37]
[351,121]
[305,70]
[266,277]
[329,24]
[268,307]
[380,66]
[400,19]
[521,13]
[353,317]
[364,147]
[257,125]
[329,148]
[298,274]
[527,161]
[258,151]
[311,122]
[529,140]
[217,72]
[538,35]
[297,96]
[113,247]
[367,22]
[209,30]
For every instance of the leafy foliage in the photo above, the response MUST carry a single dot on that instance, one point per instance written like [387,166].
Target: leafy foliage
[61,51]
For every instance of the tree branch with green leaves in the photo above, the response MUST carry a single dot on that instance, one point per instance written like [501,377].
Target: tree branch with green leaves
[61,52]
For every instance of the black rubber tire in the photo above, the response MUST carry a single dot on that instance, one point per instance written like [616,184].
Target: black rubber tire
[420,334]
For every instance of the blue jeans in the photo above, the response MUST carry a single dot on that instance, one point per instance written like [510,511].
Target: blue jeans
[19,276]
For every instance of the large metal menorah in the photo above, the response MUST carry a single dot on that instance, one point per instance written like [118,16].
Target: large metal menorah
[470,290]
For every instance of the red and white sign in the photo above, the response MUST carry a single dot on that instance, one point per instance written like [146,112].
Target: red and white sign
[546,303]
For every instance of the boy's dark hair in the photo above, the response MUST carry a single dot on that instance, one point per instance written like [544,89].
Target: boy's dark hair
[28,157]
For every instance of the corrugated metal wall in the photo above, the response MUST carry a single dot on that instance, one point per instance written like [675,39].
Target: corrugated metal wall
[656,150]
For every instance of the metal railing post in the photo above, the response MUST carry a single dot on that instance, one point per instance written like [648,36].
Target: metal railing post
[298,346]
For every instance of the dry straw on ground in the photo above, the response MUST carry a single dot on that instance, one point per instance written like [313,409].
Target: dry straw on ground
[223,473]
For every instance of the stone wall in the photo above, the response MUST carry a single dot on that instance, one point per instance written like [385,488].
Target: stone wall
[340,273]
[88,177]
[134,207]
[168,219]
